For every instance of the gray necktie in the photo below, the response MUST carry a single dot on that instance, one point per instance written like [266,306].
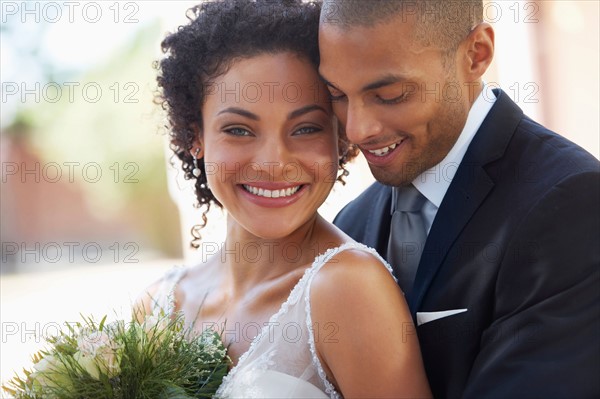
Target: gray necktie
[407,235]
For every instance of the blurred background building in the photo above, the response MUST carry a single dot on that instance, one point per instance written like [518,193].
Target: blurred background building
[91,211]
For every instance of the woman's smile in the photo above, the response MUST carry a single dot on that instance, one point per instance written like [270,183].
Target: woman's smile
[274,196]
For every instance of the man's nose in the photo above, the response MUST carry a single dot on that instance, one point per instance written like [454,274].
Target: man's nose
[361,123]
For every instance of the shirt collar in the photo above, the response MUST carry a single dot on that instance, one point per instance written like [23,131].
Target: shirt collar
[434,182]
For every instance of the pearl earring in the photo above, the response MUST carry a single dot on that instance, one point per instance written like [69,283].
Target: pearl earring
[196,171]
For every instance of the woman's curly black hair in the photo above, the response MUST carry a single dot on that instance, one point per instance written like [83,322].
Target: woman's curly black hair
[218,34]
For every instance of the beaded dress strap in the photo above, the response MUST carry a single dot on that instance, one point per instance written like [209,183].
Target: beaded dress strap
[321,261]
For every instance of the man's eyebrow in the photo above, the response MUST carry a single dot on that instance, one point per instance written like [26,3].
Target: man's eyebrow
[240,111]
[305,110]
[384,81]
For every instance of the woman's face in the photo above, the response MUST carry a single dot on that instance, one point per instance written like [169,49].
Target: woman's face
[269,143]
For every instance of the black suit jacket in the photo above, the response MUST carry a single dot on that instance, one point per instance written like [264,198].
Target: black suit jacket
[516,243]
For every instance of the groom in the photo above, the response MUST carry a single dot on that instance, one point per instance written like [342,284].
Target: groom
[497,249]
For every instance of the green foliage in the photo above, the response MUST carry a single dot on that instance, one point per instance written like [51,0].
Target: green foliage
[156,358]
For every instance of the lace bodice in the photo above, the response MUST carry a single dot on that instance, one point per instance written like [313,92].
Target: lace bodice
[282,361]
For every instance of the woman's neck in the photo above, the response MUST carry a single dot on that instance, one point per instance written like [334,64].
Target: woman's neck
[250,260]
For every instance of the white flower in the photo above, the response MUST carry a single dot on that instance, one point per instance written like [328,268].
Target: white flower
[212,347]
[48,372]
[98,353]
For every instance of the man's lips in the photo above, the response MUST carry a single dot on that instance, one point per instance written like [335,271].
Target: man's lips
[382,151]
[382,156]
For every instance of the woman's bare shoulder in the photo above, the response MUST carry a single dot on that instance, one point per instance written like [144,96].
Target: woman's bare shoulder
[178,279]
[353,281]
[356,295]
[358,265]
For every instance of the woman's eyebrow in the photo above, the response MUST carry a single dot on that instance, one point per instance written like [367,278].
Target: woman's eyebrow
[305,110]
[241,112]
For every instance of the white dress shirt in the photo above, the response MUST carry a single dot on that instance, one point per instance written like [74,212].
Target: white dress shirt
[434,182]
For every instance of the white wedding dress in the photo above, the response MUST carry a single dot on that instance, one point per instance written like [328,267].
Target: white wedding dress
[281,361]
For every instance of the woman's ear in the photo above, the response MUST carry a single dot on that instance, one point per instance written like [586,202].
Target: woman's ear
[197,149]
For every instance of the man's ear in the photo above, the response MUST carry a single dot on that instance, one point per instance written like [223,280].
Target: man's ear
[479,50]
[197,149]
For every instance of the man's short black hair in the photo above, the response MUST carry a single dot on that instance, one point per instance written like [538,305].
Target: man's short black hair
[439,23]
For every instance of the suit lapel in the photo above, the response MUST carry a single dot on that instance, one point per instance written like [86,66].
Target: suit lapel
[468,190]
[460,202]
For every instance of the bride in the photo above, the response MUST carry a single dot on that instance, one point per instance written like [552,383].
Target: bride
[305,311]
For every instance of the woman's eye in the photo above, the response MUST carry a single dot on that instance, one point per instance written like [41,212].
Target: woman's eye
[333,98]
[395,100]
[307,130]
[237,131]
[335,95]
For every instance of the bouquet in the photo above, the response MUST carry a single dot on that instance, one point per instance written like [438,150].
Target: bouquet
[155,358]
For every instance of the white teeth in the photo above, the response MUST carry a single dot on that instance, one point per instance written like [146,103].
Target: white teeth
[271,193]
[383,151]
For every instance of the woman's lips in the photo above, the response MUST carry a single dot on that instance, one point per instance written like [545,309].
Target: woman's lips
[272,195]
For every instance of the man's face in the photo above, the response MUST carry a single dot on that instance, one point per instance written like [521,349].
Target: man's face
[395,97]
